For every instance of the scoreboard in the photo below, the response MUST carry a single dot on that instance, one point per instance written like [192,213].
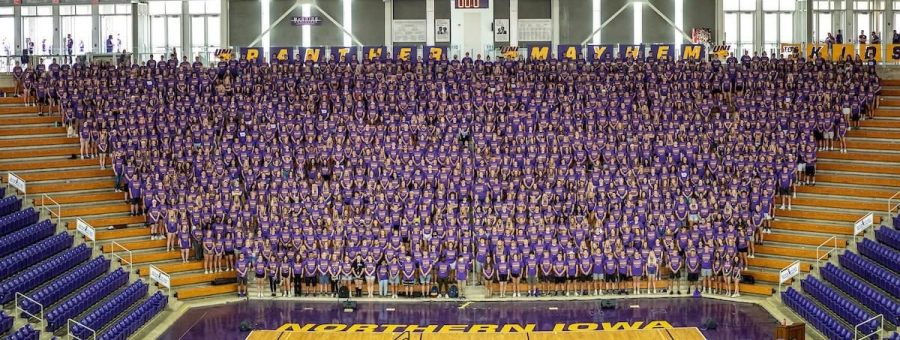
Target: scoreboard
[461,4]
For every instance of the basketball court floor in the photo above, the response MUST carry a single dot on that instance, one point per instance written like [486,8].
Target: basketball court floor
[639,318]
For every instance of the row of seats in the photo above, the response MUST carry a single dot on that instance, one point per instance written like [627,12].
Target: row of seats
[9,205]
[62,286]
[6,322]
[44,272]
[888,236]
[25,333]
[122,329]
[34,253]
[885,256]
[17,220]
[26,237]
[811,312]
[841,305]
[75,305]
[99,317]
[860,291]
[871,272]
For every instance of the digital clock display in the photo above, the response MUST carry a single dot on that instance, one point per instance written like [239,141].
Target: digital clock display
[472,3]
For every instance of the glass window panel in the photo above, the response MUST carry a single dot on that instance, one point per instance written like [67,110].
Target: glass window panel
[44,10]
[109,9]
[861,5]
[174,29]
[158,34]
[66,10]
[862,24]
[6,10]
[213,31]
[40,31]
[824,26]
[786,28]
[81,29]
[747,28]
[123,9]
[770,5]
[173,7]
[215,7]
[730,5]
[7,27]
[119,28]
[29,10]
[731,25]
[83,9]
[788,5]
[770,25]
[748,5]
[197,7]
[198,31]
[157,7]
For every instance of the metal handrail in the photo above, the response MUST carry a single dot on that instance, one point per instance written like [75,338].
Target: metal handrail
[24,190]
[112,252]
[40,315]
[72,335]
[827,253]
[893,204]
[58,208]
[877,331]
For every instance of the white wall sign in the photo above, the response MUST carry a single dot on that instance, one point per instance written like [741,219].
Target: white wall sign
[535,29]
[863,223]
[85,229]
[441,30]
[16,182]
[501,30]
[789,272]
[158,276]
[409,30]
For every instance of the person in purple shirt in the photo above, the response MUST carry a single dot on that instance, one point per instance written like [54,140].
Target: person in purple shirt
[652,271]
[369,272]
[426,268]
[597,271]
[208,245]
[559,274]
[706,268]
[503,273]
[727,273]
[382,273]
[692,264]
[545,274]
[489,276]
[736,275]
[622,263]
[636,271]
[462,275]
[297,275]
[394,276]
[610,270]
[242,267]
[260,274]
[515,273]
[184,243]
[531,274]
[717,279]
[675,263]
[408,270]
[443,269]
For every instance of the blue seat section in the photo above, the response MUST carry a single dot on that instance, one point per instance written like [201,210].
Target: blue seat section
[34,253]
[25,333]
[100,316]
[9,205]
[26,236]
[860,291]
[888,236]
[814,315]
[129,324]
[17,220]
[839,304]
[884,255]
[894,336]
[62,286]
[6,322]
[871,272]
[43,272]
[87,297]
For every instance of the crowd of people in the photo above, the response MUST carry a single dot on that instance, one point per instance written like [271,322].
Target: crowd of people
[555,177]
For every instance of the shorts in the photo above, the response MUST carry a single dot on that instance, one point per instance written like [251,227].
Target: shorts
[610,277]
[742,250]
[242,280]
[801,166]
[532,280]
[598,277]
[394,280]
[425,279]
[692,277]
[310,280]
[260,276]
[229,252]
[346,277]
[409,282]
[559,279]
[370,279]
[503,278]
[624,277]
[705,272]
[324,279]
[651,273]
[810,170]
[584,278]
[675,275]
[784,191]
[829,135]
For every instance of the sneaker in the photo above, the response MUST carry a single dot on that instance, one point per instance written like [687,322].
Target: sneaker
[736,295]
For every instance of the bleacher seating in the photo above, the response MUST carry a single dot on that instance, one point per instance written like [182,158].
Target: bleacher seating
[25,333]
[9,205]
[871,272]
[885,256]
[126,326]
[818,318]
[6,322]
[75,305]
[99,317]
[16,220]
[61,286]
[839,304]
[861,291]
[26,236]
[34,253]
[888,236]
[41,273]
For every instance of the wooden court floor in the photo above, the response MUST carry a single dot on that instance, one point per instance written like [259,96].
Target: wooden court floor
[686,333]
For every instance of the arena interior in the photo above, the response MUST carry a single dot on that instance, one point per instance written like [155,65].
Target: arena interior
[449,169]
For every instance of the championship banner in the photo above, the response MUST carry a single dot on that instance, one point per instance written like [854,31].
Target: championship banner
[600,52]
[572,52]
[281,54]
[510,52]
[373,52]
[224,54]
[693,52]
[631,51]
[251,53]
[434,52]
[870,52]
[313,54]
[662,51]
[841,51]
[348,53]
[539,52]
[406,53]
[722,51]
[893,54]
[790,50]
[820,50]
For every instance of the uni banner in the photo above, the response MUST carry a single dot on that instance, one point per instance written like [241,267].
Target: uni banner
[693,51]
[539,52]
[790,50]
[510,52]
[870,52]
[434,52]
[631,51]
[893,53]
[722,51]
[373,52]
[662,51]
[600,52]
[313,54]
[224,54]
[405,53]
[813,50]
[347,53]
[841,51]
[572,52]
[251,53]
[281,54]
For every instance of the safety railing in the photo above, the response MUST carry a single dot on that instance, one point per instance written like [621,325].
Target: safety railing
[72,334]
[879,317]
[787,273]
[47,200]
[113,251]
[893,204]
[21,297]
[820,255]
[86,230]
[863,223]
[13,180]
[161,277]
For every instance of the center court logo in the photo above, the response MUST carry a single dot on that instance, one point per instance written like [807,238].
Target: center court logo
[473,328]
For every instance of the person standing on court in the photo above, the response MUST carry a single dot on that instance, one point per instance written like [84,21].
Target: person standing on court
[109,44]
[69,45]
